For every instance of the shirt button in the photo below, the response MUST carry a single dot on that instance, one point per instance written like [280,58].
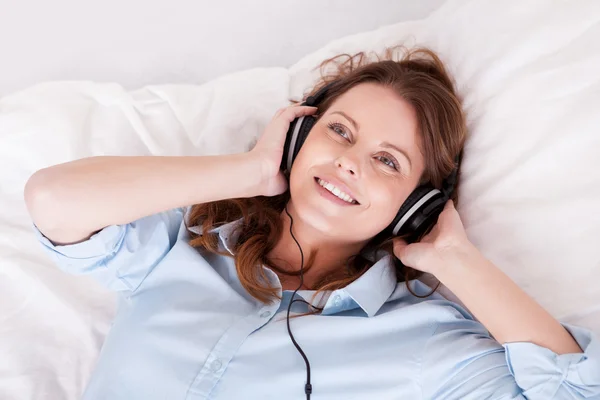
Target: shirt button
[216,365]
[265,314]
[337,300]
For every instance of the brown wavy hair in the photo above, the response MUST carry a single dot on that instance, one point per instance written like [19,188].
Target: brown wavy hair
[420,78]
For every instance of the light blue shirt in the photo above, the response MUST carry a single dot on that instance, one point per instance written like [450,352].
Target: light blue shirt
[186,329]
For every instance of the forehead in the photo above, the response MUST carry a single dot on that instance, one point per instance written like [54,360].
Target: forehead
[380,113]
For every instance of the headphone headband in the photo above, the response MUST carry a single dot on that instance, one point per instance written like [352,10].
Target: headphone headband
[449,183]
[318,97]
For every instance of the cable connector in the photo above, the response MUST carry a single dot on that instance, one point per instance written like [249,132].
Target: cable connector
[308,388]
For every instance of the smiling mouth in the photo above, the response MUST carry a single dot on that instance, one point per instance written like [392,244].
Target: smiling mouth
[340,194]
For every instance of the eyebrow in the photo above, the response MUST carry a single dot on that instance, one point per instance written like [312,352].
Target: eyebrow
[384,144]
[391,146]
[353,122]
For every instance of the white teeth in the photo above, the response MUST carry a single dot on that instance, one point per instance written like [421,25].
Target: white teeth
[337,192]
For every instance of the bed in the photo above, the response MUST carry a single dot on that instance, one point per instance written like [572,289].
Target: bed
[527,72]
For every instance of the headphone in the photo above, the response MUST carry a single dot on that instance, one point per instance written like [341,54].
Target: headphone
[419,212]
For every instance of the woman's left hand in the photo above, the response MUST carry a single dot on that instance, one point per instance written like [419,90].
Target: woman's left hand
[507,312]
[446,242]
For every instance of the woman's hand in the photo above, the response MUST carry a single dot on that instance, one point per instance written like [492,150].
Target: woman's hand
[507,312]
[269,148]
[446,242]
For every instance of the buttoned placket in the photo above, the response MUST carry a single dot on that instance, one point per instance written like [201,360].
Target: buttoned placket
[225,349]
[231,340]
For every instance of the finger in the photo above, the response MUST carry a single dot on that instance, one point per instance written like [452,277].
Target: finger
[414,255]
[278,112]
[279,125]
[292,113]
[284,109]
[432,234]
[447,211]
[399,247]
[279,185]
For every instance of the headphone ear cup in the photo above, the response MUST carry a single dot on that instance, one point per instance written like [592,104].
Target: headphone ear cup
[307,125]
[295,138]
[418,214]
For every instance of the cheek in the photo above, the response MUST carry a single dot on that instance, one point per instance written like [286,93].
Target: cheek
[314,151]
[385,201]
[308,156]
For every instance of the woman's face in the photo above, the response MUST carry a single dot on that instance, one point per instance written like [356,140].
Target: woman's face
[365,149]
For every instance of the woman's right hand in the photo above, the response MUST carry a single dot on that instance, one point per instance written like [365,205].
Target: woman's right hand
[268,150]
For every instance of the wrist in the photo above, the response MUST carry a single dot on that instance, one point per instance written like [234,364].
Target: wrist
[270,181]
[251,174]
[459,261]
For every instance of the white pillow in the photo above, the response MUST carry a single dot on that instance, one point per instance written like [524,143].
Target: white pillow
[528,73]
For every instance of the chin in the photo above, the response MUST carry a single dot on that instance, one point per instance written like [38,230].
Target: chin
[313,214]
[327,223]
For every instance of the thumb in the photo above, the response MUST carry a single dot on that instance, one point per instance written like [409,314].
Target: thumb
[411,255]
[276,186]
[400,246]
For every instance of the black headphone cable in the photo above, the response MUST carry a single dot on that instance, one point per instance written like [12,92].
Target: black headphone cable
[308,386]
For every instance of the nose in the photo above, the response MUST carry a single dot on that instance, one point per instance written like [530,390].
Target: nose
[347,165]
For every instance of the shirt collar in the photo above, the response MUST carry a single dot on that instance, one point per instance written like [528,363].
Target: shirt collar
[370,291]
[228,234]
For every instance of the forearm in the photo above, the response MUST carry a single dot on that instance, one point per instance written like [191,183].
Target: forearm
[70,201]
[500,305]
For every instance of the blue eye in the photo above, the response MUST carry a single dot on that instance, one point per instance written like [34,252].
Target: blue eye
[338,129]
[389,161]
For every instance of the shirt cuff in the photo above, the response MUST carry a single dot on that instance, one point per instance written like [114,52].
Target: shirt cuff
[541,373]
[76,258]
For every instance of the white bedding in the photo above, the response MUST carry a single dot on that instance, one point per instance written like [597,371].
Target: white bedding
[528,73]
[140,42]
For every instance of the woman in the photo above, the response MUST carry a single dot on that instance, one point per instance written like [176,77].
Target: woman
[207,252]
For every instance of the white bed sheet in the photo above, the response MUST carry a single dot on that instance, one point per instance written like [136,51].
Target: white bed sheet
[528,73]
[139,42]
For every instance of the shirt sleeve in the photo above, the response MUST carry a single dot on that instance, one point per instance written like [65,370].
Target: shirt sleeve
[119,256]
[543,374]
[462,361]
